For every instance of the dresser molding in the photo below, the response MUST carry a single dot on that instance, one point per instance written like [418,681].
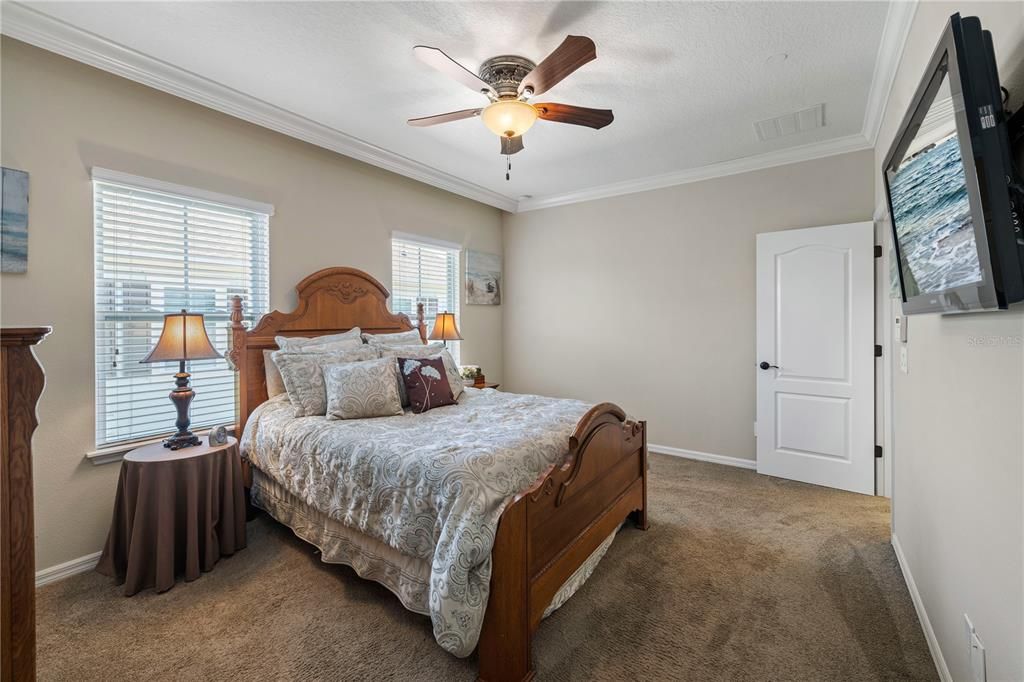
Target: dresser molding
[21,383]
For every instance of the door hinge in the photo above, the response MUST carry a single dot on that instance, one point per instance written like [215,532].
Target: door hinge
[878,351]
[878,250]
[878,451]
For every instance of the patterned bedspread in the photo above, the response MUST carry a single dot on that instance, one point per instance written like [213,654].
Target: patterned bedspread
[431,485]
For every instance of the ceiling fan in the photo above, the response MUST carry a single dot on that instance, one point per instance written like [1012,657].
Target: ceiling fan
[509,81]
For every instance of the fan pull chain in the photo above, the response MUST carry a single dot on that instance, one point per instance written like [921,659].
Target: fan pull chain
[508,169]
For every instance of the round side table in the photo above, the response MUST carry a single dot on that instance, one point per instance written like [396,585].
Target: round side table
[177,512]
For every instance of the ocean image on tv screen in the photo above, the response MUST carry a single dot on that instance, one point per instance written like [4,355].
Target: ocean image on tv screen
[931,210]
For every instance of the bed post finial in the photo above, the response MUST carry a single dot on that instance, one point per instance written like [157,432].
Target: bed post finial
[421,323]
[236,310]
[237,361]
[237,332]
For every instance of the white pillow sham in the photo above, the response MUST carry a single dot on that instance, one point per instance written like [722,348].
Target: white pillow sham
[275,384]
[409,338]
[320,344]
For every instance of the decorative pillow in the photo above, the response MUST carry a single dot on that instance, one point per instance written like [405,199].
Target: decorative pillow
[426,382]
[304,376]
[359,390]
[275,384]
[320,344]
[409,338]
[431,350]
[454,375]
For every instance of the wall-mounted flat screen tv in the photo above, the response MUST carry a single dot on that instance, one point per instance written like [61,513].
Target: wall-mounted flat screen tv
[947,179]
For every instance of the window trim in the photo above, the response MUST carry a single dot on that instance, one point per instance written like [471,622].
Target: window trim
[429,241]
[107,175]
[106,453]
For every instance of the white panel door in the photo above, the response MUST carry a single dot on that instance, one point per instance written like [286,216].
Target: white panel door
[815,353]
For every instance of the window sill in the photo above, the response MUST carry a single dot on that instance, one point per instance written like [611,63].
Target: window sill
[115,453]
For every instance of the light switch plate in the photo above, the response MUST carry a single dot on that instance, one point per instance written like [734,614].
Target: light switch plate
[901,328]
[978,673]
[976,652]
[903,358]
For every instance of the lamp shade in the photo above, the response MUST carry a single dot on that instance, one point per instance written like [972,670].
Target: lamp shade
[509,117]
[444,328]
[183,338]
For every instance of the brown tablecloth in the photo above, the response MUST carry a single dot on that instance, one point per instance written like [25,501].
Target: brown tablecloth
[175,517]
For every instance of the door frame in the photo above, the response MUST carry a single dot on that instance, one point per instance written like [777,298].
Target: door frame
[886,393]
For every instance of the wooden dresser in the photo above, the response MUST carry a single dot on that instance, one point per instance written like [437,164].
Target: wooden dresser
[21,382]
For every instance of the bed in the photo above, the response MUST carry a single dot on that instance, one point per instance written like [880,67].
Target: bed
[485,515]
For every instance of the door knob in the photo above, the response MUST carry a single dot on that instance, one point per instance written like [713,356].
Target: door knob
[765,365]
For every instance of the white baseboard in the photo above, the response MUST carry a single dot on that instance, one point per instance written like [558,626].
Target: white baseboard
[702,456]
[67,569]
[922,615]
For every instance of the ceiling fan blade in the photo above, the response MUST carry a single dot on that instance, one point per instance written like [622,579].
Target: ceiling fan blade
[574,52]
[451,68]
[579,116]
[444,118]
[511,145]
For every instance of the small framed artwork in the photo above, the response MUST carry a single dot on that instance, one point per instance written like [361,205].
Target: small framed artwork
[14,221]
[483,278]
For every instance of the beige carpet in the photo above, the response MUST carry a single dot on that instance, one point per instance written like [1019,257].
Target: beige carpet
[740,577]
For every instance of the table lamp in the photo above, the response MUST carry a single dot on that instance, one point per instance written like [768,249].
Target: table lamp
[183,338]
[445,329]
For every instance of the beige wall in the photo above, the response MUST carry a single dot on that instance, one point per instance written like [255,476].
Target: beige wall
[647,300]
[958,497]
[61,118]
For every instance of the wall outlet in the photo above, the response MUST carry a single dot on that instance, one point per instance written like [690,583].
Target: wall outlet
[903,358]
[976,652]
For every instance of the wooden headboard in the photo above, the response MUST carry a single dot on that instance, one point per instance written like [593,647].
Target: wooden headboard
[331,301]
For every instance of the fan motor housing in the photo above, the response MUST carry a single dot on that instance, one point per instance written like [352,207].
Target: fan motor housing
[504,73]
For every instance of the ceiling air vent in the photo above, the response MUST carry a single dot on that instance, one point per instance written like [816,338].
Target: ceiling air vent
[791,124]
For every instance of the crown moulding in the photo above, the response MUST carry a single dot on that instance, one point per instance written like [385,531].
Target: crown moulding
[31,26]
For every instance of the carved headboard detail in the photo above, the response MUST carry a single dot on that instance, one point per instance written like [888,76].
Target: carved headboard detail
[330,301]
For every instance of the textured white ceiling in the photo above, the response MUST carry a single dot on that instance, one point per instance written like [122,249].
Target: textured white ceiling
[686,80]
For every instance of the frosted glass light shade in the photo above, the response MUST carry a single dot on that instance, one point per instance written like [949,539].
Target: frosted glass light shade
[183,338]
[509,117]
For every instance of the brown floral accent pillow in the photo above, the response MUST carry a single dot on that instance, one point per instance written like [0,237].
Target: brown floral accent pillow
[426,383]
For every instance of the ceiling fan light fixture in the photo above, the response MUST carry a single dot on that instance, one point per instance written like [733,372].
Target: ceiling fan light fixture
[509,117]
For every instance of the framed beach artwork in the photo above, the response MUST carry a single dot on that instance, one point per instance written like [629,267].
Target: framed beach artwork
[483,278]
[14,221]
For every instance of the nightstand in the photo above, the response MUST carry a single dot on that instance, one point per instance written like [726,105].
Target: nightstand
[177,512]
[470,384]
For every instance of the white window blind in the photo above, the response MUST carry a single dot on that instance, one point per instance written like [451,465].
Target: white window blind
[158,251]
[428,273]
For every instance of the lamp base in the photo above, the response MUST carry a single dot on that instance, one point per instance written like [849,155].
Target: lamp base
[182,396]
[182,440]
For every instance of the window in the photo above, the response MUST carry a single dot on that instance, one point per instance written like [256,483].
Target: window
[161,248]
[425,272]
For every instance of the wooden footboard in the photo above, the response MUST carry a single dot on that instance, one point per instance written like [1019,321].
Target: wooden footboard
[551,529]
